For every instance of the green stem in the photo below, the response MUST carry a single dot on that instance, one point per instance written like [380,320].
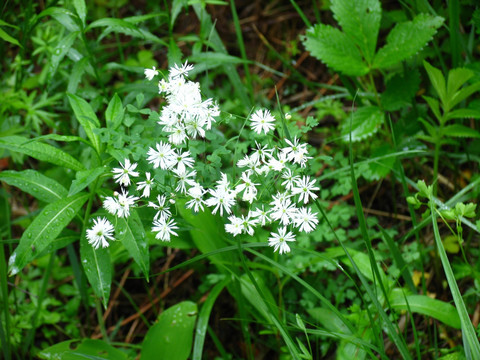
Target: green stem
[101,323]
[436,158]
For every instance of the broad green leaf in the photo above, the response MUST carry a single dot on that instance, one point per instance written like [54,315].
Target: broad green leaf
[8,38]
[85,178]
[463,114]
[87,118]
[57,137]
[114,113]
[172,336]
[451,244]
[328,319]
[82,349]
[98,269]
[335,49]
[44,229]
[81,10]
[365,122]
[40,151]
[251,294]
[458,130]
[406,39]
[360,20]
[425,305]
[462,94]
[62,15]
[35,183]
[132,235]
[400,90]
[456,79]
[437,80]
[60,51]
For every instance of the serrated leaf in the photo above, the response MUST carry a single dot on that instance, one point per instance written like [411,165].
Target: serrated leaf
[438,81]
[456,79]
[4,35]
[81,10]
[400,90]
[98,269]
[114,113]
[365,123]
[462,94]
[87,118]
[35,183]
[360,20]
[335,49]
[458,130]
[422,304]
[40,151]
[132,235]
[85,178]
[116,25]
[172,336]
[406,39]
[463,114]
[44,229]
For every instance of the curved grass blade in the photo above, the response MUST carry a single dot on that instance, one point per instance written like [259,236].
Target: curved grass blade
[35,183]
[44,229]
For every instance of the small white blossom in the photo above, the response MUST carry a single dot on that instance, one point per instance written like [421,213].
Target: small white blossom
[183,159]
[280,240]
[101,231]
[150,73]
[145,185]
[196,202]
[123,174]
[305,188]
[221,199]
[261,216]
[164,228]
[284,211]
[262,120]
[163,210]
[163,157]
[235,227]
[305,220]
[177,71]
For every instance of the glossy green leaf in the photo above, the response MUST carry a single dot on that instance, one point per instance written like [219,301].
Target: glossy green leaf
[171,337]
[82,349]
[406,39]
[85,178]
[87,118]
[438,81]
[425,305]
[60,51]
[44,229]
[35,183]
[456,79]
[360,20]
[463,93]
[81,10]
[458,130]
[366,122]
[62,15]
[76,75]
[114,113]
[464,114]
[98,269]
[4,35]
[40,151]
[132,235]
[335,49]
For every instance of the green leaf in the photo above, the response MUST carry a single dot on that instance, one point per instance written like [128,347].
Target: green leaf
[87,118]
[366,122]
[132,235]
[463,94]
[81,10]
[35,183]
[335,49]
[400,90]
[360,20]
[86,349]
[117,25]
[458,130]
[114,113]
[437,80]
[251,294]
[172,336]
[60,51]
[8,38]
[44,229]
[98,269]
[425,305]
[456,79]
[406,39]
[62,15]
[85,178]
[463,114]
[177,6]
[76,75]
[434,106]
[40,151]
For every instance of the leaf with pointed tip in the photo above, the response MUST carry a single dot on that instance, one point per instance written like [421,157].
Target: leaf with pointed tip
[44,229]
[438,81]
[366,122]
[35,183]
[85,178]
[60,51]
[458,130]
[114,113]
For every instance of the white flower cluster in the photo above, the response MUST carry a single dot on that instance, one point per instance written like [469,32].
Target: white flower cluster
[271,186]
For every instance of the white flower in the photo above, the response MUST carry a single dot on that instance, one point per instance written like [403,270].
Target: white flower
[183,179]
[163,210]
[305,188]
[150,73]
[295,151]
[262,121]
[235,227]
[305,220]
[280,240]
[248,224]
[100,232]
[145,185]
[125,201]
[262,152]
[182,160]
[111,205]
[261,215]
[163,157]
[123,175]
[164,228]
[284,211]
[248,187]
[278,164]
[176,71]
[196,202]
[178,134]
[290,179]
[221,199]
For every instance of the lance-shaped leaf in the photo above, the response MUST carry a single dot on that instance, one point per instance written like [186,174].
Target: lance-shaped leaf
[44,229]
[40,151]
[132,235]
[60,51]
[406,39]
[98,269]
[114,113]
[85,178]
[36,184]
[87,118]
